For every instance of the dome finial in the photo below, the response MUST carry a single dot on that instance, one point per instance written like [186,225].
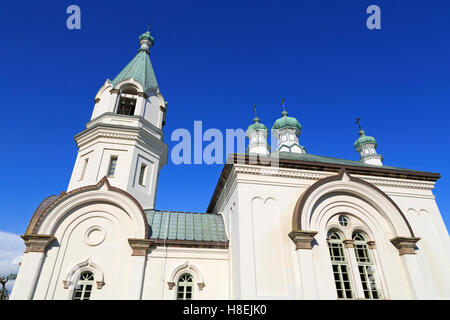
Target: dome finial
[284,113]
[256,119]
[361,131]
[146,40]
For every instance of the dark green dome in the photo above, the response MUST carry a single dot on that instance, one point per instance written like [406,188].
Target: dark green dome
[286,121]
[146,36]
[256,125]
[363,139]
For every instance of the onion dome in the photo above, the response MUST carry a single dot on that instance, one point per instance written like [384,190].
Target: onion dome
[286,121]
[363,139]
[148,37]
[256,125]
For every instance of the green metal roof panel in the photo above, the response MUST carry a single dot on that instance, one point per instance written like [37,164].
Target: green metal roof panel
[176,225]
[141,70]
[317,158]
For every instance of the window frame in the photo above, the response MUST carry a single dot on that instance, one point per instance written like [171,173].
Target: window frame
[88,281]
[366,266]
[185,284]
[340,265]
[112,159]
[142,174]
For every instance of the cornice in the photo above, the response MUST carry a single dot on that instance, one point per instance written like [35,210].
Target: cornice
[141,119]
[422,185]
[139,135]
[311,175]
[314,171]
[279,172]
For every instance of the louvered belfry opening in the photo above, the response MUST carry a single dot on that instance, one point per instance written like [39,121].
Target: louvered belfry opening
[127,101]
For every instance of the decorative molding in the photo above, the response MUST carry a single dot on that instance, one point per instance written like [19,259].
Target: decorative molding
[37,242]
[235,160]
[87,264]
[349,243]
[108,131]
[302,239]
[140,246]
[171,285]
[191,243]
[279,172]
[96,240]
[371,244]
[201,285]
[66,284]
[39,215]
[187,267]
[346,177]
[399,184]
[405,245]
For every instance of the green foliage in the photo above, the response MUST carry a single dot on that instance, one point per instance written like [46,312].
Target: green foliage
[3,281]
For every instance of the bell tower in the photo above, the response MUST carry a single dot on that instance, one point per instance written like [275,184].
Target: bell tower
[124,139]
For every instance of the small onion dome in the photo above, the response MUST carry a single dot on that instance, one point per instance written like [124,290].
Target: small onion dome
[146,36]
[256,125]
[363,139]
[286,121]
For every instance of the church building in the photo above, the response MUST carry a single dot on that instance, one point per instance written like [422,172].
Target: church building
[281,223]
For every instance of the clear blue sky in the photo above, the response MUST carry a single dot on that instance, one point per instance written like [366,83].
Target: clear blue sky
[213,61]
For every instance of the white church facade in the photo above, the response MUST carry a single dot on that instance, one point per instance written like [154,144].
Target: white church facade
[309,227]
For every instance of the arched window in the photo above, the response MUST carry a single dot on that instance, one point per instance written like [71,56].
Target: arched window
[340,266]
[127,101]
[84,286]
[365,266]
[185,287]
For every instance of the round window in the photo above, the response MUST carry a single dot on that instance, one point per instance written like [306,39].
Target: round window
[343,220]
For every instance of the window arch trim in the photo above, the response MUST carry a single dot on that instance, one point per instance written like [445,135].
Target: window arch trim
[347,179]
[187,267]
[79,268]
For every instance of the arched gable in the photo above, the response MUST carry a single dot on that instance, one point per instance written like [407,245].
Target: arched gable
[345,184]
[45,221]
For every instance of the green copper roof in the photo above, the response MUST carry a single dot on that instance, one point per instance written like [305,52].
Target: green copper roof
[175,225]
[257,125]
[286,121]
[363,139]
[324,159]
[140,68]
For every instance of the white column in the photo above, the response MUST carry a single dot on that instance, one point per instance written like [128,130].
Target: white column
[140,101]
[114,98]
[136,277]
[406,249]
[138,262]
[303,247]
[31,265]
